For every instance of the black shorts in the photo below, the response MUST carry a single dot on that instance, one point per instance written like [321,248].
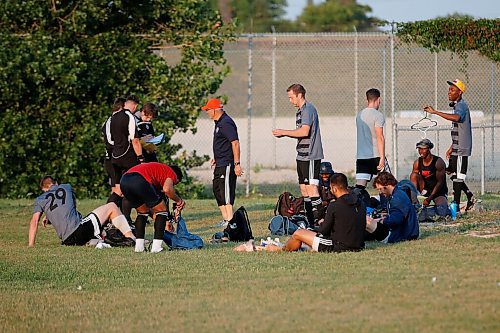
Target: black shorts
[90,228]
[108,166]
[224,185]
[122,164]
[458,167]
[321,244]
[367,168]
[139,191]
[308,172]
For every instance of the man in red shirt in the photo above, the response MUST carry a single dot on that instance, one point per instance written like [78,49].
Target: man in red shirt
[143,185]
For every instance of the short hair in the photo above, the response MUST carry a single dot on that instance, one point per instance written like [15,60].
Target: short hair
[133,98]
[149,109]
[178,172]
[385,178]
[372,94]
[47,181]
[297,89]
[118,104]
[339,180]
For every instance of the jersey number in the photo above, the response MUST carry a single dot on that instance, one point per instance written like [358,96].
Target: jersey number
[59,194]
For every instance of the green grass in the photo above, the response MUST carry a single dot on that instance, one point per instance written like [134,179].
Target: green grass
[382,289]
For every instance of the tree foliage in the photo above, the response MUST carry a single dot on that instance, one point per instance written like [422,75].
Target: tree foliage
[336,16]
[254,16]
[458,35]
[63,62]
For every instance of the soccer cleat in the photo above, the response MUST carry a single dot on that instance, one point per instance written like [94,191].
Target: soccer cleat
[470,204]
[222,224]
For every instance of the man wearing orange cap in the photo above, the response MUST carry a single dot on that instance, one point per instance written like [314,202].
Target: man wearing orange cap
[226,147]
[461,140]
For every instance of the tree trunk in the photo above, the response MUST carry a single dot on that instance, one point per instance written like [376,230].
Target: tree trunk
[225,10]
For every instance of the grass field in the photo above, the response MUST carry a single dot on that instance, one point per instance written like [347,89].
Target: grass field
[448,281]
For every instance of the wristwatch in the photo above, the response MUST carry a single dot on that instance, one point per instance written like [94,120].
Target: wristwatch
[236,163]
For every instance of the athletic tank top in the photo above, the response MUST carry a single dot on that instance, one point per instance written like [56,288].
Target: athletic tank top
[429,174]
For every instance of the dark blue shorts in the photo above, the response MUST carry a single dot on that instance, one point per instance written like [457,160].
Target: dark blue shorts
[138,191]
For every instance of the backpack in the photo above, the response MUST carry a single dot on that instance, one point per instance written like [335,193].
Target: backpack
[410,190]
[283,225]
[289,205]
[182,239]
[114,237]
[239,229]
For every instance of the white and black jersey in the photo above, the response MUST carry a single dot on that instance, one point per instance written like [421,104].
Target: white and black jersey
[108,141]
[123,128]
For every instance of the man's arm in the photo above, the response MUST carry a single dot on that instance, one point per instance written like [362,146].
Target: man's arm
[448,116]
[379,133]
[235,145]
[326,227]
[136,143]
[168,189]
[300,132]
[33,228]
[440,177]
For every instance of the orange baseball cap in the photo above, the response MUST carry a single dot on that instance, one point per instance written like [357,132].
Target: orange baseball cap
[212,104]
[457,83]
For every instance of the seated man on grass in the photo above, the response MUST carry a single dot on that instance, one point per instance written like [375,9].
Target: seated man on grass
[59,205]
[343,228]
[429,177]
[401,222]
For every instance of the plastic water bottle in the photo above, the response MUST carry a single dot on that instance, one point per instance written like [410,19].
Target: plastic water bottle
[453,210]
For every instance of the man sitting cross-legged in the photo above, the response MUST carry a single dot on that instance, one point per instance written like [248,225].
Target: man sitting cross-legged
[59,205]
[343,228]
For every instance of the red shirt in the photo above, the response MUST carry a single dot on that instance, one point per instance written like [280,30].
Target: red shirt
[155,173]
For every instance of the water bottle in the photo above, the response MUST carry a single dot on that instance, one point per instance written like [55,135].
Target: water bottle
[453,210]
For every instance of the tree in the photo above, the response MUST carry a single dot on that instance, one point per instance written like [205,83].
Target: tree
[63,62]
[253,15]
[336,16]
[458,35]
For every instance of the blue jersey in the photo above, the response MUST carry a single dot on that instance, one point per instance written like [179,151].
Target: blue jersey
[225,132]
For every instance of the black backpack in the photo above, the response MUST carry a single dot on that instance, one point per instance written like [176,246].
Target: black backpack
[239,229]
[288,205]
[114,237]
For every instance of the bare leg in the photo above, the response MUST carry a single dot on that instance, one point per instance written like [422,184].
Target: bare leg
[110,211]
[227,212]
[300,236]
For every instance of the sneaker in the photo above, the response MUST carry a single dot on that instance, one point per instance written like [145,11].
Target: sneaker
[470,204]
[222,224]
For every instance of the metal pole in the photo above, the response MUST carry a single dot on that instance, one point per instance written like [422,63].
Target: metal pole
[483,156]
[273,92]
[436,94]
[384,74]
[492,110]
[355,70]
[249,113]
[394,125]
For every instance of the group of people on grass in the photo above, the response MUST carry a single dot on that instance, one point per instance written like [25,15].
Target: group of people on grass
[139,181]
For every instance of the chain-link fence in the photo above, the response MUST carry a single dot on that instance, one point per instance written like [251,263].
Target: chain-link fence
[336,70]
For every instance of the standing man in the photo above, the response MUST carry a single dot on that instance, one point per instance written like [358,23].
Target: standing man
[309,149]
[370,157]
[127,149]
[226,161]
[461,140]
[429,177]
[59,205]
[143,186]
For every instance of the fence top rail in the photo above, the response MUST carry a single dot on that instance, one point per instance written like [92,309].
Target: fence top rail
[441,127]
[316,34]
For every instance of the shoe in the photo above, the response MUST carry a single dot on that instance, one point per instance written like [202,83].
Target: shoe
[222,224]
[470,204]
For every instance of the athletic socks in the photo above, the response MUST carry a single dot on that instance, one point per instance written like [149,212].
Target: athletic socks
[139,245]
[308,207]
[160,223]
[140,225]
[116,199]
[316,208]
[126,208]
[156,247]
[457,191]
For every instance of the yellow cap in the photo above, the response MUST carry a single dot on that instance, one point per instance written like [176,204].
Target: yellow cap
[457,83]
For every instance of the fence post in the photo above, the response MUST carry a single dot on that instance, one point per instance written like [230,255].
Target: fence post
[273,92]
[249,113]
[394,125]
[355,70]
[483,157]
[492,110]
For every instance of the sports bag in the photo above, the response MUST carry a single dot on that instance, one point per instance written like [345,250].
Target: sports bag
[182,239]
[289,205]
[283,225]
[238,228]
[114,237]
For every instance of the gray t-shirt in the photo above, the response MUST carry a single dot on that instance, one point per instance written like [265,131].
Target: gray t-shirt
[310,147]
[366,121]
[59,206]
[461,134]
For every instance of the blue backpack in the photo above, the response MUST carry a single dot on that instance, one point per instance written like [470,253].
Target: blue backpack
[182,239]
[282,225]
